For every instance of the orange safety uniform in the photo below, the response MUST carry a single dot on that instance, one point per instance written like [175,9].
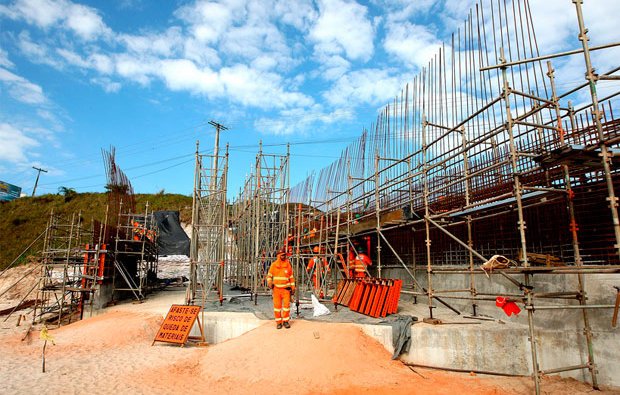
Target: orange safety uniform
[357,266]
[313,264]
[280,278]
[138,231]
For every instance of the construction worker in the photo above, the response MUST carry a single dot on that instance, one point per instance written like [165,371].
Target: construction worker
[350,262]
[357,264]
[314,269]
[280,279]
[138,231]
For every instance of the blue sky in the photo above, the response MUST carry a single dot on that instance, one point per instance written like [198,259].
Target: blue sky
[147,76]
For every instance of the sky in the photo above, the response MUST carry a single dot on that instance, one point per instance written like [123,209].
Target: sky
[147,76]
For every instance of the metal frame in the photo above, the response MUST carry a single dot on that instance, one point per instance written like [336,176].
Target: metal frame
[465,145]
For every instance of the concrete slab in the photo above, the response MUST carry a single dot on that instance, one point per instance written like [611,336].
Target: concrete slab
[221,326]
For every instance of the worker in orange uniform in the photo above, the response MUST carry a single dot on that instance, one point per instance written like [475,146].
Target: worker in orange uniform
[280,279]
[138,231]
[357,264]
[315,266]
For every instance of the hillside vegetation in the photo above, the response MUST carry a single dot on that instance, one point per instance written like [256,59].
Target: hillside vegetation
[22,220]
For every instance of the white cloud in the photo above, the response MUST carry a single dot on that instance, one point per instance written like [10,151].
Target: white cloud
[4,59]
[14,144]
[230,50]
[413,44]
[96,61]
[299,14]
[251,41]
[333,67]
[201,53]
[130,4]
[21,89]
[264,63]
[182,74]
[208,20]
[101,62]
[400,10]
[51,119]
[371,86]
[107,84]
[135,69]
[42,13]
[554,21]
[454,13]
[259,89]
[72,57]
[162,44]
[343,27]
[84,21]
[234,31]
[36,53]
[301,121]
[601,27]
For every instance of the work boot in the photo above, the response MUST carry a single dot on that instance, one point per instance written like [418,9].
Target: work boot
[279,326]
[287,325]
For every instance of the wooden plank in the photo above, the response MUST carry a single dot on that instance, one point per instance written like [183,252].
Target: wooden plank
[23,305]
[352,284]
[339,290]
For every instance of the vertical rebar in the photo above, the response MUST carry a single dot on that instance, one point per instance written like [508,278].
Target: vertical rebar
[591,77]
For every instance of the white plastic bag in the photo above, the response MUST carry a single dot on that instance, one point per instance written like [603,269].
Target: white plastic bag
[319,309]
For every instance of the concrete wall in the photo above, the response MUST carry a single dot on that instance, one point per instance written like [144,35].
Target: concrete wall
[221,326]
[505,348]
[102,296]
[381,333]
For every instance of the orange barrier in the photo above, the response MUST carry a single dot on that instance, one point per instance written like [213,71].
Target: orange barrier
[369,296]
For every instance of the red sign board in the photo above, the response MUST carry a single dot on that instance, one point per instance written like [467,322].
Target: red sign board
[178,324]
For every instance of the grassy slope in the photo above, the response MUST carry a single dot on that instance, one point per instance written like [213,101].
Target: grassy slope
[22,220]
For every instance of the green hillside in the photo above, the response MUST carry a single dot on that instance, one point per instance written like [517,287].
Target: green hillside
[22,220]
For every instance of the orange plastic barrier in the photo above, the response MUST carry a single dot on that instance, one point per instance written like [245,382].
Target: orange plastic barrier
[369,296]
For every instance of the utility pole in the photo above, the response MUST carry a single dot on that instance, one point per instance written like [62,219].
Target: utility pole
[37,181]
[218,127]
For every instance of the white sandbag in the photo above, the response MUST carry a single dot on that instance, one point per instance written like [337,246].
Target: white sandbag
[319,309]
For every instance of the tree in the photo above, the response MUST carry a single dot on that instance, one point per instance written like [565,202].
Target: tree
[68,193]
[117,188]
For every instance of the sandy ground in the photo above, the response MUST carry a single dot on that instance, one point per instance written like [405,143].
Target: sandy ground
[112,353]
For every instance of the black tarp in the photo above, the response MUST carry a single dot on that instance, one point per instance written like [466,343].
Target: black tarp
[172,239]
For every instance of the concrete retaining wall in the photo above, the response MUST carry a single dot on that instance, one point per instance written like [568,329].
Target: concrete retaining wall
[505,348]
[221,326]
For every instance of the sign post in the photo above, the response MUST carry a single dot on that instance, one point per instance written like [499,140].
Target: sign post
[177,325]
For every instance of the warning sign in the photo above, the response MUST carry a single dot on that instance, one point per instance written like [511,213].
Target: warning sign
[178,324]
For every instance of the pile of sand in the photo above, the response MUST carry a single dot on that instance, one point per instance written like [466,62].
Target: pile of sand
[21,280]
[112,353]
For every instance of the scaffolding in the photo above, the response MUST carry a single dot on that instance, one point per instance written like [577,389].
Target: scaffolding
[76,261]
[132,237]
[67,281]
[209,227]
[135,254]
[481,155]
[260,220]
[481,158]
